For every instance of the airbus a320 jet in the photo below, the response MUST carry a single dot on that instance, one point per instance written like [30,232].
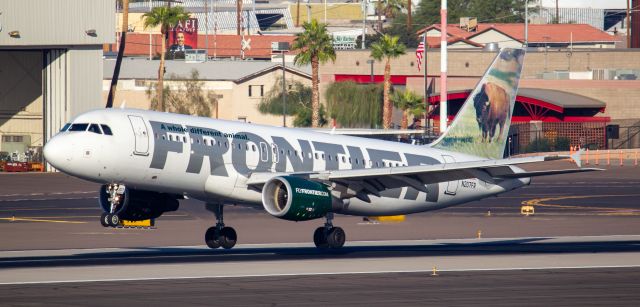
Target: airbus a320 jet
[148,160]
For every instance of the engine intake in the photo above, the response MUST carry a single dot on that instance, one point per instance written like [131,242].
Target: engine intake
[138,205]
[296,199]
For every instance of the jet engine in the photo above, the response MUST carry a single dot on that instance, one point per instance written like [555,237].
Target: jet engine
[136,205]
[296,199]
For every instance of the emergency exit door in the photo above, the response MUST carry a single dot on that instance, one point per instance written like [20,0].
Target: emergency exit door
[141,135]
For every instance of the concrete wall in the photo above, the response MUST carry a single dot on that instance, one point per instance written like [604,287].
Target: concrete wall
[57,22]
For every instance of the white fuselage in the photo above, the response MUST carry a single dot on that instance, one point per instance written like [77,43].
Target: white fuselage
[211,160]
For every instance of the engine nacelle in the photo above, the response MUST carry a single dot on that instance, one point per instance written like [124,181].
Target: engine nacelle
[138,205]
[296,199]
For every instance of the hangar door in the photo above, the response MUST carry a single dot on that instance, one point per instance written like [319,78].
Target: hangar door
[21,104]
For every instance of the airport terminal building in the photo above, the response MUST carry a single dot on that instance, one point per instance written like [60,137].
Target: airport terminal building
[50,67]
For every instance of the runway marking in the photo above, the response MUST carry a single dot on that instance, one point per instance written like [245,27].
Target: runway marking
[21,219]
[315,274]
[539,202]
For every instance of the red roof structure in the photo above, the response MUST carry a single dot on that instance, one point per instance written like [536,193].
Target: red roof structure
[538,33]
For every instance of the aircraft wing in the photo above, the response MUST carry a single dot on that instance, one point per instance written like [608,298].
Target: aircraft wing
[373,181]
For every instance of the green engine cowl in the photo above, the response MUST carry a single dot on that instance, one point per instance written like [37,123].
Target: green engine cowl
[296,199]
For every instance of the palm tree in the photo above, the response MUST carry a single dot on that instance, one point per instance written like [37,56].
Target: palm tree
[387,48]
[408,102]
[167,18]
[315,46]
[116,70]
[388,8]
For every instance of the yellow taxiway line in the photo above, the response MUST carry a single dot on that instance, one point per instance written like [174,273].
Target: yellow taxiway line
[22,219]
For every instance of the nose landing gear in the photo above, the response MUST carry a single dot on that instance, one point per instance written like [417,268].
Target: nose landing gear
[220,235]
[329,236]
[115,199]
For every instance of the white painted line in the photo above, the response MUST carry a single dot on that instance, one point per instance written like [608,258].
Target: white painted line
[315,274]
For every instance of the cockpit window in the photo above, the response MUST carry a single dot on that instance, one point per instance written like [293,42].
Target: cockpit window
[66,126]
[106,129]
[95,129]
[78,127]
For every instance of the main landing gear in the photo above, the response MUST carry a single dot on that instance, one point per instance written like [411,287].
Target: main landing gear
[219,235]
[116,199]
[329,236]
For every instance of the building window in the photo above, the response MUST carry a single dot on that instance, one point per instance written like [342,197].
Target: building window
[256,90]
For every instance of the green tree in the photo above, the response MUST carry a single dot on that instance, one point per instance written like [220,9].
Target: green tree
[497,11]
[187,97]
[355,105]
[389,9]
[315,46]
[409,103]
[167,18]
[298,103]
[387,48]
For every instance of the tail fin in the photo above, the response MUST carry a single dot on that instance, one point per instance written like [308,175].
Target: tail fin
[482,124]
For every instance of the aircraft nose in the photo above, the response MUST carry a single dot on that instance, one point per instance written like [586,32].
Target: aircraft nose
[56,152]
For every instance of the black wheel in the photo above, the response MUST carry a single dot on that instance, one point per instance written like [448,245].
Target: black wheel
[211,238]
[336,237]
[114,220]
[319,238]
[228,237]
[104,219]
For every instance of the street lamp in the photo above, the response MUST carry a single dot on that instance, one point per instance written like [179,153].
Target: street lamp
[282,47]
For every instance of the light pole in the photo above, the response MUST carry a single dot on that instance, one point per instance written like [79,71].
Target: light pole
[370,62]
[282,47]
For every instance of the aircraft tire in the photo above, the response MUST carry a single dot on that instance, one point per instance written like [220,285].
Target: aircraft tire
[319,238]
[228,237]
[212,238]
[336,237]
[114,220]
[104,219]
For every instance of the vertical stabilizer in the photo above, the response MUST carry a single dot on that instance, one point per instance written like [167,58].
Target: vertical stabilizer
[482,124]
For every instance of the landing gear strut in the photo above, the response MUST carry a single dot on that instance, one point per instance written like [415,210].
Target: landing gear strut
[329,236]
[219,235]
[116,199]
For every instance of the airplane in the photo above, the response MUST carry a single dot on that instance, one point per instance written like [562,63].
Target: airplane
[147,161]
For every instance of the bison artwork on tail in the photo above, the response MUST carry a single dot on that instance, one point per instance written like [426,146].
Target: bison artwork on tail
[492,106]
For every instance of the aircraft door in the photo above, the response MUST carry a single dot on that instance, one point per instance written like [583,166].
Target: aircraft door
[264,152]
[141,135]
[452,186]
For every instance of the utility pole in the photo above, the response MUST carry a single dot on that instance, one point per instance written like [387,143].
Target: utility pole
[628,24]
[364,22]
[526,24]
[557,13]
[409,22]
[206,29]
[238,16]
[443,66]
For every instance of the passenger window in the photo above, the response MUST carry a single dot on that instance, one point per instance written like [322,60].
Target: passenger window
[94,128]
[253,147]
[317,156]
[78,127]
[344,160]
[106,130]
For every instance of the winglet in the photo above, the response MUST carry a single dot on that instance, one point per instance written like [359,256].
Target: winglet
[577,157]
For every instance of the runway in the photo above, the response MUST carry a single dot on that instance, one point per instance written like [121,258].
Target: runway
[518,271]
[582,246]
